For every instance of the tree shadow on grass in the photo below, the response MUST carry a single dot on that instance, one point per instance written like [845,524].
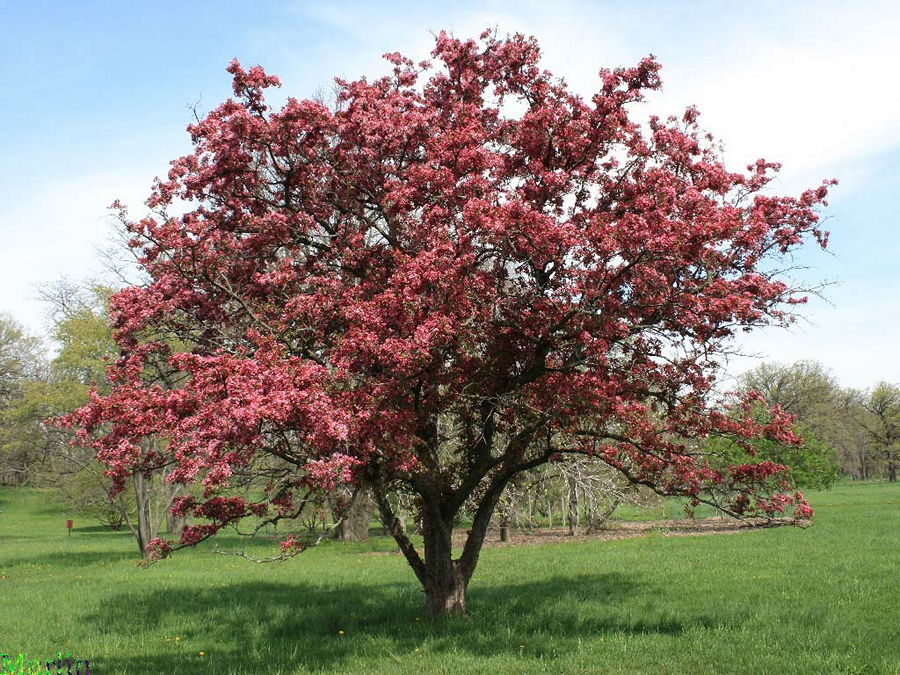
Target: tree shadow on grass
[273,626]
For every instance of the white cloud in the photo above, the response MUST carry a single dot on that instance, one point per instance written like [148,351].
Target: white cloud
[55,229]
[817,100]
[857,339]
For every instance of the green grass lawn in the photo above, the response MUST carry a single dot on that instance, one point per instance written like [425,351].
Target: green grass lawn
[821,600]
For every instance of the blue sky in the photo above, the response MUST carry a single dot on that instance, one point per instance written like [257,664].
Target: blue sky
[97,95]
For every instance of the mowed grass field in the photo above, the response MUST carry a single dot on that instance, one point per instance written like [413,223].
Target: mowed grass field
[821,600]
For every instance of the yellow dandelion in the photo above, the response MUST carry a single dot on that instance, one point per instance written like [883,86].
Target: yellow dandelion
[416,650]
[340,632]
[202,653]
[177,639]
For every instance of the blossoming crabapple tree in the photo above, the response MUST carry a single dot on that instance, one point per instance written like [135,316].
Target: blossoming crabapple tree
[459,272]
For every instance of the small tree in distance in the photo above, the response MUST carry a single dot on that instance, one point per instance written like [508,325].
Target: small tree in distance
[881,422]
[429,291]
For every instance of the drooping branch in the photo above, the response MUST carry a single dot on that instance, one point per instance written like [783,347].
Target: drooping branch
[290,548]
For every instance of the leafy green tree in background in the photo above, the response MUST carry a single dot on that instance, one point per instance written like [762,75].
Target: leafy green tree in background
[882,425]
[850,437]
[20,357]
[813,465]
[81,330]
[857,424]
[22,369]
[805,389]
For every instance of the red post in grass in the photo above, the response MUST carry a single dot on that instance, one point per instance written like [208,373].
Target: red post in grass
[69,524]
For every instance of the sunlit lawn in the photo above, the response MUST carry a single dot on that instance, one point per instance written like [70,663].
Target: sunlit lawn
[821,600]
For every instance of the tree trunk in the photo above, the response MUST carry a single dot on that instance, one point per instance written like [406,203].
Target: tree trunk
[175,524]
[355,523]
[445,581]
[573,505]
[504,528]
[445,594]
[597,521]
[144,522]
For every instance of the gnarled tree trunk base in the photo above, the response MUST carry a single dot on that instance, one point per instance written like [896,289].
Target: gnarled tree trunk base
[445,594]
